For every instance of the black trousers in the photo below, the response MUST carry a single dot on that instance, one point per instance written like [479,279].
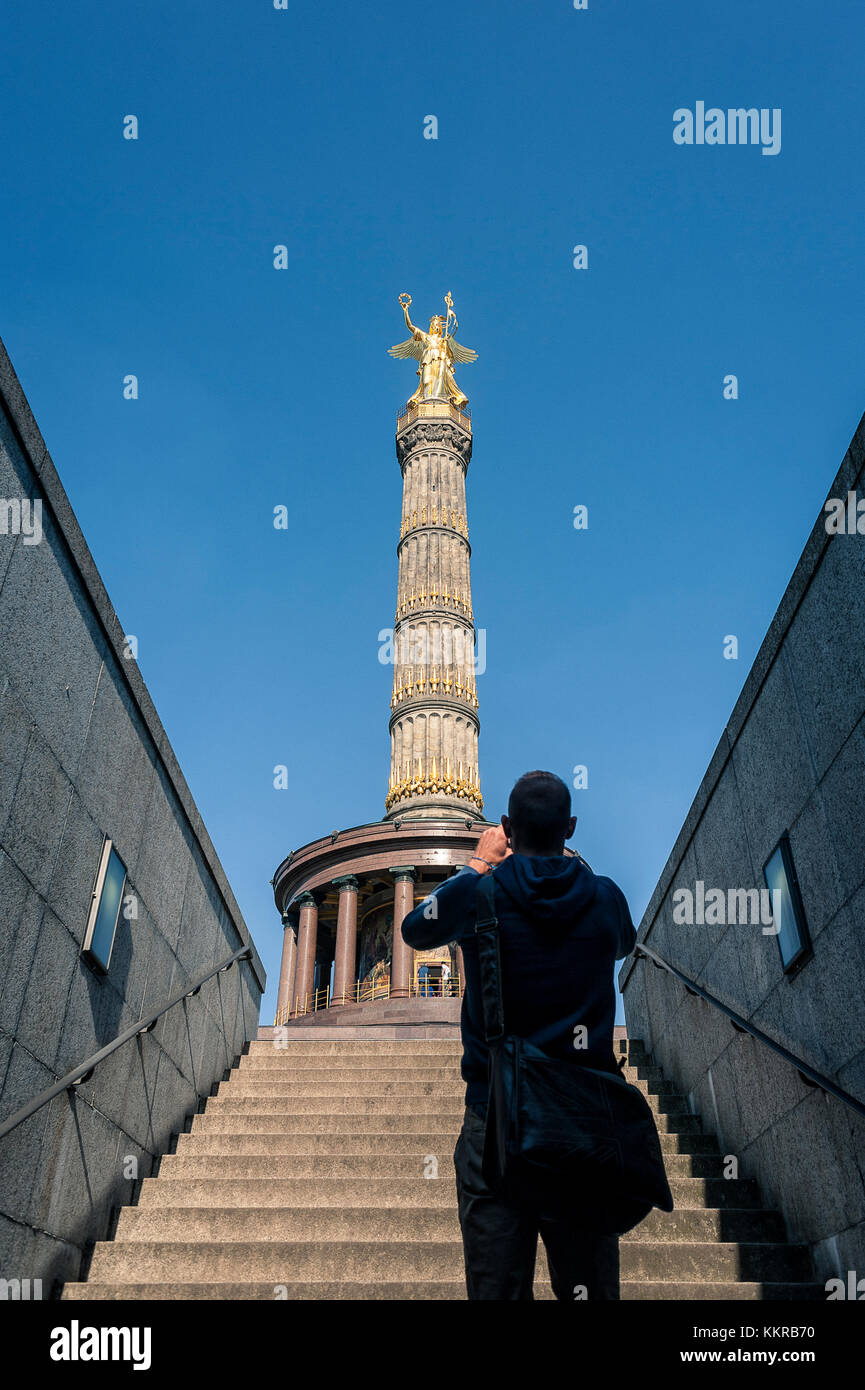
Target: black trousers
[500,1242]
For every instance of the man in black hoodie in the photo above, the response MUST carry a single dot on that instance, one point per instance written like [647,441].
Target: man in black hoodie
[561,929]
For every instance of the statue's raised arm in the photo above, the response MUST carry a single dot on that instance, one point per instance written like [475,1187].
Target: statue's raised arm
[415,345]
[405,301]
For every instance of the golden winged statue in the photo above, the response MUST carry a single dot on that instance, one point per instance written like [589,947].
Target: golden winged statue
[436,351]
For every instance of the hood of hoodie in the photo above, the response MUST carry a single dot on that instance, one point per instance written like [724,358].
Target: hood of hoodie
[551,891]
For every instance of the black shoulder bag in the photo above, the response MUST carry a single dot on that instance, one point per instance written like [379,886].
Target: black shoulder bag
[572,1143]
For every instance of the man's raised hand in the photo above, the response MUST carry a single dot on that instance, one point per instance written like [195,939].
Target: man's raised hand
[492,847]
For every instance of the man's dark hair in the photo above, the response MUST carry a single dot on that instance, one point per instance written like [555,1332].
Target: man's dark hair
[539,808]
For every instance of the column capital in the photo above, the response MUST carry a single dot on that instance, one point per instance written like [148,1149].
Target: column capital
[304,900]
[345,881]
[403,871]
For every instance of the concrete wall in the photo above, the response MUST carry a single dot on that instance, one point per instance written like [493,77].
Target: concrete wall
[82,755]
[791,758]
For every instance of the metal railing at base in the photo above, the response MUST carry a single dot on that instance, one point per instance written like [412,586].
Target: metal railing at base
[434,409]
[318,999]
[83,1072]
[808,1074]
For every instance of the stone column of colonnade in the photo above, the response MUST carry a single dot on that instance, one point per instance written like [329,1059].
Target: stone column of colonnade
[345,955]
[307,940]
[287,968]
[434,722]
[402,956]
[298,954]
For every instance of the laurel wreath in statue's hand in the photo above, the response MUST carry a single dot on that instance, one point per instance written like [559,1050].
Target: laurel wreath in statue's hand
[405,300]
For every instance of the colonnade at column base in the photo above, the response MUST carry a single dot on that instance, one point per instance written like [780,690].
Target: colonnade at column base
[342,899]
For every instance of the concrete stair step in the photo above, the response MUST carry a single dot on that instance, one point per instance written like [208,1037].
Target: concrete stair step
[714,1261]
[446,1048]
[432,1218]
[327,1046]
[301,1194]
[643,1071]
[711,1223]
[643,1290]
[694,1165]
[677,1123]
[651,1088]
[687,1143]
[375,1163]
[263,1225]
[391,1103]
[274,1059]
[354,1260]
[338,1120]
[428,1054]
[375,1107]
[372,1083]
[412,1187]
[323,1122]
[175,1170]
[263,1068]
[665,1103]
[691,1153]
[274,1075]
[289,1088]
[738,1193]
[273,1262]
[428,1291]
[316,1144]
[274,1065]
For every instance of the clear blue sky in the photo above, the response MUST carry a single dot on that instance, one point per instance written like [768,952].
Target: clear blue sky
[603,387]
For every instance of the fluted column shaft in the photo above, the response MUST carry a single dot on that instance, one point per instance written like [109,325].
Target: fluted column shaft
[345,957]
[403,955]
[307,940]
[286,973]
[434,723]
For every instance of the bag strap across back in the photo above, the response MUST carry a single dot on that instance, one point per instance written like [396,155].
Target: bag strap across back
[487,937]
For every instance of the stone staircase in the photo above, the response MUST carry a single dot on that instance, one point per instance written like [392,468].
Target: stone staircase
[304,1178]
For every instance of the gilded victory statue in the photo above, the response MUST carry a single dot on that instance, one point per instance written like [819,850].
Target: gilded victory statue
[436,351]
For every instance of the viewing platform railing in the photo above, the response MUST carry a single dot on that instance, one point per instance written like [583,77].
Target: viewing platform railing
[432,410]
[318,999]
